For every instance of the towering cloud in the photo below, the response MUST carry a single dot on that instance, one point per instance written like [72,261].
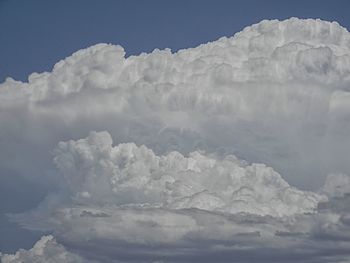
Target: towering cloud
[212,152]
[97,173]
[277,93]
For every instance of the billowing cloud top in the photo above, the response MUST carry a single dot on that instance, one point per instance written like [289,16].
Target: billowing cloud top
[177,173]
[277,93]
[98,173]
[291,50]
[45,250]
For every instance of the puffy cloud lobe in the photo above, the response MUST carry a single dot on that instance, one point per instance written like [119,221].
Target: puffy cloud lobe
[46,250]
[97,172]
[294,47]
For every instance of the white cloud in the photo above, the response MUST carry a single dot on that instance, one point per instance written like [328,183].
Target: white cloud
[276,93]
[46,250]
[126,196]
[96,172]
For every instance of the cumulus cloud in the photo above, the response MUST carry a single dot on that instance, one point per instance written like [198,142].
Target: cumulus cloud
[46,250]
[190,166]
[96,172]
[277,93]
[125,196]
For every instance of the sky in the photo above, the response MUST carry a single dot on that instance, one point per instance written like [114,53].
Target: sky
[35,34]
[233,144]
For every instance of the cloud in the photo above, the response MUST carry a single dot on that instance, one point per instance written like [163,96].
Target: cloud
[277,93]
[105,233]
[167,180]
[45,250]
[96,172]
[127,197]
[337,185]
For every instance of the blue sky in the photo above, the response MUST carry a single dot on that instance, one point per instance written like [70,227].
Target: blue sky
[35,34]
